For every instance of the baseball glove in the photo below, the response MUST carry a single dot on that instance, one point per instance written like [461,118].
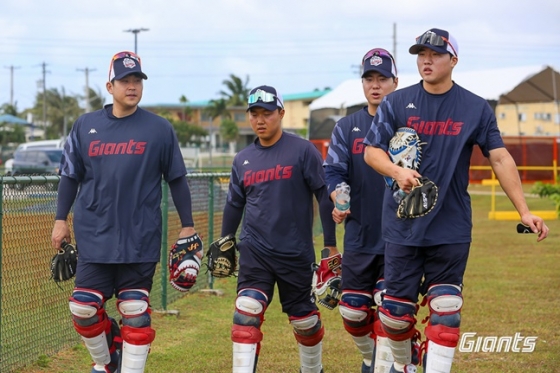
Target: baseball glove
[420,201]
[405,150]
[63,264]
[222,256]
[326,286]
[184,262]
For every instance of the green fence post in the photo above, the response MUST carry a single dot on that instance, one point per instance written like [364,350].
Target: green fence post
[164,232]
[1,223]
[211,223]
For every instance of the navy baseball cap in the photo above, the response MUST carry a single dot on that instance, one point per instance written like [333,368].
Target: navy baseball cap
[123,64]
[381,61]
[266,97]
[438,40]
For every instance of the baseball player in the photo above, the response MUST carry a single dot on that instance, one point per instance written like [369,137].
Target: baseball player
[112,167]
[272,185]
[363,264]
[430,252]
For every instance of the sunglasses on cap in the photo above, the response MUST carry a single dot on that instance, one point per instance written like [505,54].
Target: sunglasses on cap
[430,37]
[261,95]
[126,54]
[379,52]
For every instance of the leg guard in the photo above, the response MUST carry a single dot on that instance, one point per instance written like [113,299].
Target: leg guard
[246,335]
[357,317]
[100,333]
[398,320]
[137,334]
[382,357]
[309,331]
[445,303]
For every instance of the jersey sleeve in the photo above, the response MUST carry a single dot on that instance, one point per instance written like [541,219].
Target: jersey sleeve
[382,127]
[489,136]
[336,164]
[236,191]
[313,168]
[71,163]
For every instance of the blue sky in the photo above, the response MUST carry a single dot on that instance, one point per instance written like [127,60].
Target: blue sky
[296,46]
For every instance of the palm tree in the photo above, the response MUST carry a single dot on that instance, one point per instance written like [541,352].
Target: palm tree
[9,109]
[187,111]
[229,132]
[61,110]
[217,108]
[96,99]
[237,90]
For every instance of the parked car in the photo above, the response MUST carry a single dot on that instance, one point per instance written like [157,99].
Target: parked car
[8,166]
[36,161]
[41,144]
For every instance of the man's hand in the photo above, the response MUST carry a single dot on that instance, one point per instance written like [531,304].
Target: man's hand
[536,224]
[60,233]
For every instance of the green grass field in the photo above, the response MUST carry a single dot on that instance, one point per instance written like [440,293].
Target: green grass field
[511,286]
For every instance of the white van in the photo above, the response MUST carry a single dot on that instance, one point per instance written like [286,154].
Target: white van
[59,143]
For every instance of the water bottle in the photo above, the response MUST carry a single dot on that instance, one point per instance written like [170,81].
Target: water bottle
[342,199]
[399,195]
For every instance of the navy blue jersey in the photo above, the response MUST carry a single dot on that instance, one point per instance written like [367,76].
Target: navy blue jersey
[450,124]
[275,185]
[119,163]
[345,162]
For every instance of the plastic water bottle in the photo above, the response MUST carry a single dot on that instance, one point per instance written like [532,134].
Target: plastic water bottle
[399,195]
[342,199]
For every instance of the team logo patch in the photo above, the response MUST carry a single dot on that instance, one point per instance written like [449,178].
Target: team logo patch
[129,63]
[376,61]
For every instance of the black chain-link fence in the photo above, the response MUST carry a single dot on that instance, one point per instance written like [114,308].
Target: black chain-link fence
[34,315]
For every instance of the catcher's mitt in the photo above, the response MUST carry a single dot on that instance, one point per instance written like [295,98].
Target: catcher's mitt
[222,256]
[63,264]
[420,201]
[405,150]
[184,262]
[326,286]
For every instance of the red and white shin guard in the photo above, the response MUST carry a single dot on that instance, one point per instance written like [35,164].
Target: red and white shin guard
[135,349]
[383,359]
[440,348]
[246,346]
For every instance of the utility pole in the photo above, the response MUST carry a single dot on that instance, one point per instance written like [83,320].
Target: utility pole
[87,71]
[395,41]
[44,66]
[136,31]
[11,67]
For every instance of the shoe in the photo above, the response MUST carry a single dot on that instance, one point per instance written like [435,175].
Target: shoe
[112,367]
[366,369]
[407,369]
